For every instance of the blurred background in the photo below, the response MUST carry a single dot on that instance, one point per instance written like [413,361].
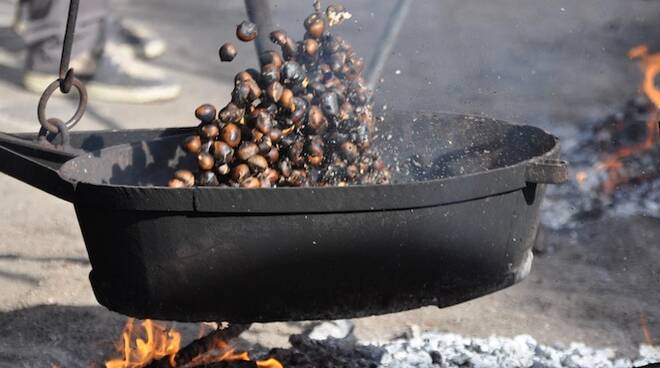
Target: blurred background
[535,63]
[560,65]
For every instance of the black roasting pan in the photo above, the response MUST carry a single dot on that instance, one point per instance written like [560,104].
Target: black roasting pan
[457,222]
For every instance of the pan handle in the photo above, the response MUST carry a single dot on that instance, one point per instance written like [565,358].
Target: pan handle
[547,171]
[35,165]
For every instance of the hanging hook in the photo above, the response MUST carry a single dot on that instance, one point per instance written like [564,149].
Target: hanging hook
[66,80]
[66,74]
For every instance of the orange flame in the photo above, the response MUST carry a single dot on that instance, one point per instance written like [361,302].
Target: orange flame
[161,342]
[221,351]
[645,329]
[650,65]
[581,177]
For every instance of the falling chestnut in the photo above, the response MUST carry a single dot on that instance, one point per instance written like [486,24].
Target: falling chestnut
[304,117]
[227,52]
[246,31]
[205,161]
[193,144]
[205,113]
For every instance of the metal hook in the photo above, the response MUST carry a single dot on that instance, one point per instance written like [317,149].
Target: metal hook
[65,81]
[43,102]
[66,74]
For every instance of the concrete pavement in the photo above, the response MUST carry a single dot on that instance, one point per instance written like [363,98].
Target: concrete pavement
[549,63]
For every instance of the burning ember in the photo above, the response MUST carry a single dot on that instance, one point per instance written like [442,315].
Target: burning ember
[617,159]
[650,67]
[615,164]
[154,345]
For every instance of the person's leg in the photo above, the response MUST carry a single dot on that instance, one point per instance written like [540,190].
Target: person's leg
[143,40]
[109,69]
[44,35]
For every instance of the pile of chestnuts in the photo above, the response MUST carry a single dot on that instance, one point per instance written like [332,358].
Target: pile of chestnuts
[305,119]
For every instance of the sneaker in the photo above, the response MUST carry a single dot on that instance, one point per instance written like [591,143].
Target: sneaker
[114,76]
[143,40]
[40,72]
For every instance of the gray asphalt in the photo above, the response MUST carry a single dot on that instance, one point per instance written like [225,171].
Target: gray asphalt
[555,64]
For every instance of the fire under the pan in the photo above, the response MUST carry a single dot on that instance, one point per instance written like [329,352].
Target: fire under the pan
[333,344]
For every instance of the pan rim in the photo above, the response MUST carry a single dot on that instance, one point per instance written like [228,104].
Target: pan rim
[354,198]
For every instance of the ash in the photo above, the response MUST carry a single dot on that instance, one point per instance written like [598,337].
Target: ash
[448,350]
[585,147]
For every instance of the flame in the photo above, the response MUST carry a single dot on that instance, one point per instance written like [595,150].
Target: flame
[136,352]
[643,323]
[221,351]
[581,177]
[160,343]
[650,65]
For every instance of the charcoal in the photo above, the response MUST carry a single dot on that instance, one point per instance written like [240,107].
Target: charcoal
[306,352]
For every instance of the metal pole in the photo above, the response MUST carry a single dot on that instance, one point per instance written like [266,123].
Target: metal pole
[387,41]
[259,13]
[68,40]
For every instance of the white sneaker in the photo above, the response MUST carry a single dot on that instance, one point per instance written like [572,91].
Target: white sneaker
[115,76]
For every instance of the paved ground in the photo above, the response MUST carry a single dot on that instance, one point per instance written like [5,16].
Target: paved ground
[548,63]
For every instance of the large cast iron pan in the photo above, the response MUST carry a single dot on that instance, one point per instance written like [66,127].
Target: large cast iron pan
[458,223]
